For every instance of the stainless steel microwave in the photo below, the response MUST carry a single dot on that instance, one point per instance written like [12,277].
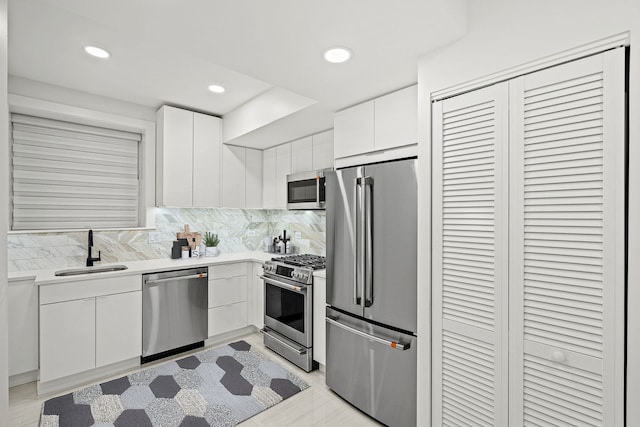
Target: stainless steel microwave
[305,190]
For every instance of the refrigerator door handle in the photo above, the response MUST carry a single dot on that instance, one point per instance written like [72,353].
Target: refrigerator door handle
[368,238]
[392,344]
[361,251]
[357,276]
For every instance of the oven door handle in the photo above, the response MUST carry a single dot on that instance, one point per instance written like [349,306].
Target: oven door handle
[299,289]
[299,351]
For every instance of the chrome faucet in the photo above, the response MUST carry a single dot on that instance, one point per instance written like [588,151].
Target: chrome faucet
[90,258]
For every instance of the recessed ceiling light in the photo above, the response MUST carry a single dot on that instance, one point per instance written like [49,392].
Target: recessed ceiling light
[216,89]
[97,52]
[337,55]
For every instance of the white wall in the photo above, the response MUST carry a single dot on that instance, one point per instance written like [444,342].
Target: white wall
[62,95]
[504,34]
[4,220]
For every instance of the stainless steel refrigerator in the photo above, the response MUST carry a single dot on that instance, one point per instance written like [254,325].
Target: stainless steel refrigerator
[371,288]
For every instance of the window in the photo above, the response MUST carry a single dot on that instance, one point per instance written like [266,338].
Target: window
[73,176]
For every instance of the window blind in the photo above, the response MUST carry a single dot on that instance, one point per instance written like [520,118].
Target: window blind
[72,176]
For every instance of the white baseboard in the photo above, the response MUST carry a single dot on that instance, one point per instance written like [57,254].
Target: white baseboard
[23,378]
[86,377]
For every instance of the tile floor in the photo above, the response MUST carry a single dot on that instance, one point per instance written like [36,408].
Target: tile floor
[315,406]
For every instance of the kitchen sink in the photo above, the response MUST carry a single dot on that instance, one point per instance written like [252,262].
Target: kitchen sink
[90,270]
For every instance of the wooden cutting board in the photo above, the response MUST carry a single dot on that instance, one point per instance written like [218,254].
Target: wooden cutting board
[190,235]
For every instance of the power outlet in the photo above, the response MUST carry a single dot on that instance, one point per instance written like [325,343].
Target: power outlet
[251,233]
[155,237]
[297,235]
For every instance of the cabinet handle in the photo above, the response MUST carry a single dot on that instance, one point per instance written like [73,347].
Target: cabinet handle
[558,356]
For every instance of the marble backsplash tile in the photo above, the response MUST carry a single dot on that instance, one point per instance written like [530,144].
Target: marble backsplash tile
[239,230]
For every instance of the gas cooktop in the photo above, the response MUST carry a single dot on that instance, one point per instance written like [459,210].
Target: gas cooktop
[312,262]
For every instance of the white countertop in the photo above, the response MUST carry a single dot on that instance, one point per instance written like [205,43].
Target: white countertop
[48,277]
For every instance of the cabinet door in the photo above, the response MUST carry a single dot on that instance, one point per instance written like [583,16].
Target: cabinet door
[269,178]
[302,155]
[233,176]
[567,249]
[323,150]
[253,167]
[255,295]
[23,326]
[353,130]
[118,327]
[319,323]
[175,157]
[206,160]
[396,119]
[470,266]
[283,168]
[67,338]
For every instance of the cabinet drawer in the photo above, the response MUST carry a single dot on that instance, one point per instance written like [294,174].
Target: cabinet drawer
[227,291]
[89,288]
[227,318]
[227,271]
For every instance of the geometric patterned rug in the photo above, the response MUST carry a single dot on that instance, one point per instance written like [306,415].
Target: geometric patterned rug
[219,387]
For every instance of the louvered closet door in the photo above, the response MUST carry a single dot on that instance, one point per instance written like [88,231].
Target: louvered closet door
[469,259]
[567,244]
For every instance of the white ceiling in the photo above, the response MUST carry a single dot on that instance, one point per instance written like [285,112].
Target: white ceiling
[169,51]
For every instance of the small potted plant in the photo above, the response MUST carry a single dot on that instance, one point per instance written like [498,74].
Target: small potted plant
[211,243]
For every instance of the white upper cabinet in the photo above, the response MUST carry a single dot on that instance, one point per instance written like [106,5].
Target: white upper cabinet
[322,150]
[269,178]
[253,167]
[283,168]
[354,129]
[384,123]
[174,157]
[206,160]
[241,177]
[396,119]
[233,176]
[307,154]
[302,155]
[187,158]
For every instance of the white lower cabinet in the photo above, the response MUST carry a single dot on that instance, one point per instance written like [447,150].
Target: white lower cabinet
[319,324]
[118,327]
[88,324]
[227,318]
[22,296]
[227,298]
[255,300]
[67,338]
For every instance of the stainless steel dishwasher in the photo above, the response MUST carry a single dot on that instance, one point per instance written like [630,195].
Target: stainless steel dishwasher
[174,312]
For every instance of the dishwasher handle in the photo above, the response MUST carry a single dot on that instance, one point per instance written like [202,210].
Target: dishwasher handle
[171,279]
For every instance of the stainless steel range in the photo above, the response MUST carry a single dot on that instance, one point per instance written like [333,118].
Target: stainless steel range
[288,313]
